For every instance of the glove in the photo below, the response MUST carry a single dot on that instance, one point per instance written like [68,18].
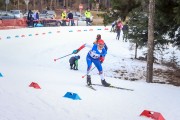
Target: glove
[101,59]
[75,51]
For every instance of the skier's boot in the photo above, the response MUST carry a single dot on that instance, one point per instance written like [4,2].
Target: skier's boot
[104,83]
[89,80]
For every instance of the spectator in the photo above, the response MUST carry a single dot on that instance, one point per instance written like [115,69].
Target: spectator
[63,18]
[125,30]
[119,27]
[70,18]
[88,16]
[29,17]
[113,26]
[31,21]
[36,18]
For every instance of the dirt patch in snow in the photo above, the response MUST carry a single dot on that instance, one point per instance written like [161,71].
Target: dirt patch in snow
[162,76]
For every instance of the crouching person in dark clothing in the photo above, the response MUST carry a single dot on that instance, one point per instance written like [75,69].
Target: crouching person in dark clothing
[74,62]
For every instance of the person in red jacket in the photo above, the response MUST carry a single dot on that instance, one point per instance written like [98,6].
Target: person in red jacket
[119,27]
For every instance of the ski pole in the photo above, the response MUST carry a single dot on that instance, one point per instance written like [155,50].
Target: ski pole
[62,57]
[89,72]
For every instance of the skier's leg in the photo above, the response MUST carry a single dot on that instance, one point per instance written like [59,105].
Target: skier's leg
[97,63]
[89,64]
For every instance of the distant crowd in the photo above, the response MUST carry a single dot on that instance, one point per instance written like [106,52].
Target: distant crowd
[118,26]
[33,19]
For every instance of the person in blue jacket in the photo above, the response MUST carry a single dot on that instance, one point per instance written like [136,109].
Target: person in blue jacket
[96,55]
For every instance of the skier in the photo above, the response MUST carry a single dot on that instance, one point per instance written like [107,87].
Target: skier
[74,62]
[96,55]
[98,37]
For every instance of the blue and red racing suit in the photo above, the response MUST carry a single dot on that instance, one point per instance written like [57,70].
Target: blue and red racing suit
[95,56]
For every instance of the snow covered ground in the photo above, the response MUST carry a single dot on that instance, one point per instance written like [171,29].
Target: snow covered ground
[27,55]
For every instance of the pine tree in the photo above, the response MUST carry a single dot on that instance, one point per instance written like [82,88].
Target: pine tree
[160,50]
[138,28]
[120,9]
[177,12]
[174,60]
[167,19]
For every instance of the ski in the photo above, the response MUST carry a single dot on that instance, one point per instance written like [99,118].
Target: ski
[111,86]
[91,87]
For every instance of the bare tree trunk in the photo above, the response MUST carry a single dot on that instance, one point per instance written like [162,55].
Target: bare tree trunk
[64,2]
[51,4]
[105,3]
[149,77]
[14,3]
[55,3]
[136,51]
[67,2]
[110,4]
[34,4]
[18,4]
[87,3]
[40,5]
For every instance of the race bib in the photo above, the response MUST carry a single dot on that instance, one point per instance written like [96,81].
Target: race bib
[94,55]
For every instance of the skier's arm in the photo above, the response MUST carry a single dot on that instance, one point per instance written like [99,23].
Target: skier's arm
[102,56]
[104,52]
[101,59]
[80,48]
[77,50]
[105,46]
